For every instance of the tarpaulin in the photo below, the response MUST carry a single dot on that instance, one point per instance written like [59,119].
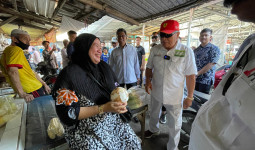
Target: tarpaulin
[68,24]
[50,35]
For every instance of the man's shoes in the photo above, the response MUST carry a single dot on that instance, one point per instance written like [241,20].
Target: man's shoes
[162,119]
[148,134]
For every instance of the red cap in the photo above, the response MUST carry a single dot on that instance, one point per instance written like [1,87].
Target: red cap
[169,26]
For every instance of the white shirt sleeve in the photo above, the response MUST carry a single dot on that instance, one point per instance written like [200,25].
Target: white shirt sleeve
[190,67]
[150,59]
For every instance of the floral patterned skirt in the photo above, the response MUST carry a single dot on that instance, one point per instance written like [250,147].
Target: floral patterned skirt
[102,132]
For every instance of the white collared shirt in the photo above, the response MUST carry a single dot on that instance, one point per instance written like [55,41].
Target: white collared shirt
[227,121]
[125,64]
[169,75]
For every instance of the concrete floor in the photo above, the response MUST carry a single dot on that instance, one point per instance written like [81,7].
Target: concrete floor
[157,142]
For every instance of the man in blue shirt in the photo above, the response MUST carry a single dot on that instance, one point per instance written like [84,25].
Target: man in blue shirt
[72,36]
[124,61]
[207,55]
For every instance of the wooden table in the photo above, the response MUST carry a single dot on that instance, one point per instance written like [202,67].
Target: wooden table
[140,113]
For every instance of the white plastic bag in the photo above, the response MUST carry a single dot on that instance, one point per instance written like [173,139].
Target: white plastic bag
[8,109]
[137,97]
[55,128]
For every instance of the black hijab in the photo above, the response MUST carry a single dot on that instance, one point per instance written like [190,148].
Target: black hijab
[75,75]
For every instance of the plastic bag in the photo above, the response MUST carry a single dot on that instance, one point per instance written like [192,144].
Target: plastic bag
[8,109]
[136,97]
[55,128]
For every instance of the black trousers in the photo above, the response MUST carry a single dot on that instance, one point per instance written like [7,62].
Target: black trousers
[163,108]
[141,78]
[128,85]
[204,88]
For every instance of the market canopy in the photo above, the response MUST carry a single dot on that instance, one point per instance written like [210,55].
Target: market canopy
[46,14]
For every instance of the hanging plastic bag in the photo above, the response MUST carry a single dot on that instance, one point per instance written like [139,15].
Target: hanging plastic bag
[8,109]
[55,128]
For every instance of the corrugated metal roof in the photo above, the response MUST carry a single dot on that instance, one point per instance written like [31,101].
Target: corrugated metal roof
[41,7]
[144,10]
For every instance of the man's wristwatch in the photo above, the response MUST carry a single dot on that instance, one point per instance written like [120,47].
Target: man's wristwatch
[190,98]
[101,109]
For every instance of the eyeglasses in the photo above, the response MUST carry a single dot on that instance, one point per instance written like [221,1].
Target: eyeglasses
[154,37]
[164,35]
[121,36]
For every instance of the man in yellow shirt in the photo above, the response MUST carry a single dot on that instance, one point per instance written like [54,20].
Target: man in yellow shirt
[17,71]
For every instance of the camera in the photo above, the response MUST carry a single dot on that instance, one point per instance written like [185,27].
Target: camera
[167,57]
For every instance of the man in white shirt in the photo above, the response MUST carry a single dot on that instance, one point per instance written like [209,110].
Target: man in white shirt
[64,55]
[172,63]
[226,121]
[36,56]
[124,61]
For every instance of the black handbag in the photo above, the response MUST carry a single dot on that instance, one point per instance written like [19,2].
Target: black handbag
[125,117]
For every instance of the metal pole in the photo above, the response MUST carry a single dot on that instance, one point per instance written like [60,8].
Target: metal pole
[190,21]
[143,34]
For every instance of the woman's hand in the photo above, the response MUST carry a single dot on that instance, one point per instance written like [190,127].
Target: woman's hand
[116,107]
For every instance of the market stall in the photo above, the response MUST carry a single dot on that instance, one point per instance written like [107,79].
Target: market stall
[28,129]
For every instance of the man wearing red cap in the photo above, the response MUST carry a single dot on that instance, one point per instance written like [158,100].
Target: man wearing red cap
[172,63]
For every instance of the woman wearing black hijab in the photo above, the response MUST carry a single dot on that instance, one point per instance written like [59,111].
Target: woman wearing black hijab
[90,119]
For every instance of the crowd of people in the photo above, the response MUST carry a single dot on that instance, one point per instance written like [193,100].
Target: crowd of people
[91,71]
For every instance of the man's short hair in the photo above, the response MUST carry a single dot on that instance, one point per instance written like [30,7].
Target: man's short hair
[121,30]
[228,3]
[71,32]
[44,42]
[105,48]
[206,30]
[65,41]
[17,32]
[103,42]
[155,33]
[138,37]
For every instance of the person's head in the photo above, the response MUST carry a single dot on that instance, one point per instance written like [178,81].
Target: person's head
[20,38]
[102,44]
[122,36]
[114,42]
[138,41]
[169,34]
[87,49]
[72,35]
[244,9]
[46,44]
[65,42]
[205,36]
[154,37]
[105,50]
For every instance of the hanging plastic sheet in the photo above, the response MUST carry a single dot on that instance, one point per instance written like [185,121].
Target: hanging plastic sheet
[68,24]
